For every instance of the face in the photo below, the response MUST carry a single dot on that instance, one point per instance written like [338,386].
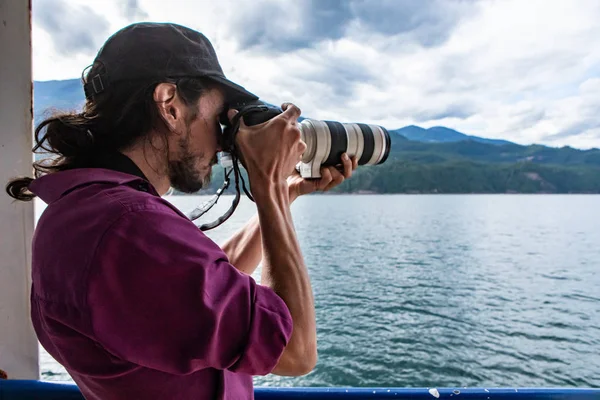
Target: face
[193,151]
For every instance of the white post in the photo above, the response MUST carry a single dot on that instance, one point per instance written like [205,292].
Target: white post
[18,343]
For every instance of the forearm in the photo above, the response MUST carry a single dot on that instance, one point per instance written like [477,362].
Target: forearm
[284,271]
[244,248]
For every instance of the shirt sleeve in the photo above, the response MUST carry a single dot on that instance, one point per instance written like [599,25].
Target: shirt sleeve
[164,296]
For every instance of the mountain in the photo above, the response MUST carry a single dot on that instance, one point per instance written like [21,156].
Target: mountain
[434,160]
[68,94]
[440,134]
[61,95]
[459,176]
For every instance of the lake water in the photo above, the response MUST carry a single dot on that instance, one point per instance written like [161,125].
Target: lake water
[464,290]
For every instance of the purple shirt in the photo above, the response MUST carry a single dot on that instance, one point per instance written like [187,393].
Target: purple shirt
[137,303]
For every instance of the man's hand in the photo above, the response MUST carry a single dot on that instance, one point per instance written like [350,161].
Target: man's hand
[272,149]
[330,178]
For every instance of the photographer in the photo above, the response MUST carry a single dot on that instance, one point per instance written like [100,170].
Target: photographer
[128,294]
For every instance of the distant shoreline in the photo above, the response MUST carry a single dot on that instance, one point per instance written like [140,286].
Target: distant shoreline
[410,194]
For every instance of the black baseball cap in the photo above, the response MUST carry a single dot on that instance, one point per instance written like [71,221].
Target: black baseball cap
[160,50]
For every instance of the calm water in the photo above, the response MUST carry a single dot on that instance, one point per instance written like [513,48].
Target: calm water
[420,291]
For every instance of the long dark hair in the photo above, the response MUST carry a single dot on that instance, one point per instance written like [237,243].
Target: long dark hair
[108,122]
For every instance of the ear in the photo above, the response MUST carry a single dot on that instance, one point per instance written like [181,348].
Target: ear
[170,106]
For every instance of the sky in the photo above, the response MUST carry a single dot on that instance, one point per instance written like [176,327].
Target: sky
[527,71]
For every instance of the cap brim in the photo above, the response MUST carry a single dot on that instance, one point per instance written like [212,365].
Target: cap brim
[233,91]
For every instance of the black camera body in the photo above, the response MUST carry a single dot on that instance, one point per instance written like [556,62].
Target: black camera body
[256,112]
[253,112]
[325,141]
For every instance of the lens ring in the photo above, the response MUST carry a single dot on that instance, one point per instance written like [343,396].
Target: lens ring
[381,153]
[388,145]
[369,144]
[322,148]
[379,141]
[355,140]
[339,142]
[309,136]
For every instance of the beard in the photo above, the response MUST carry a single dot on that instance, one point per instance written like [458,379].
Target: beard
[183,173]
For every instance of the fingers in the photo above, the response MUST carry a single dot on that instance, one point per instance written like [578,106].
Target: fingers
[301,148]
[330,177]
[290,112]
[347,163]
[325,180]
[336,178]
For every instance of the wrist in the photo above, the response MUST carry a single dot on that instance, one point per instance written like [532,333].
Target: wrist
[265,189]
[293,192]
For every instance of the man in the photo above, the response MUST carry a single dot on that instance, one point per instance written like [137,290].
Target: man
[127,293]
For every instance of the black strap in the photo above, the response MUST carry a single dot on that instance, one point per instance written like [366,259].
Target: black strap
[115,161]
[95,86]
[231,133]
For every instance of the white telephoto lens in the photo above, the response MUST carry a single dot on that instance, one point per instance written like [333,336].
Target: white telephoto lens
[326,141]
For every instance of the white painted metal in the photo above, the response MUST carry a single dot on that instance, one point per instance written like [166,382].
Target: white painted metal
[18,343]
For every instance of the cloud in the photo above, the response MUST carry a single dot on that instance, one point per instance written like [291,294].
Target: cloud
[73,28]
[426,22]
[338,72]
[575,129]
[288,26]
[524,71]
[451,110]
[578,115]
[527,118]
[133,11]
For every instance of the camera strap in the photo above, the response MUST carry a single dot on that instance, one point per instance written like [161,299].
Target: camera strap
[231,132]
[207,205]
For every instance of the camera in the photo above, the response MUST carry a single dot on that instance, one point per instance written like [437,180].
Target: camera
[326,141]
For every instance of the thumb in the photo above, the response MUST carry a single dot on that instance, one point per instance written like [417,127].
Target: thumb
[291,111]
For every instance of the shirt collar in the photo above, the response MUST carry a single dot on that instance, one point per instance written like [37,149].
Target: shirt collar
[117,161]
[115,168]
